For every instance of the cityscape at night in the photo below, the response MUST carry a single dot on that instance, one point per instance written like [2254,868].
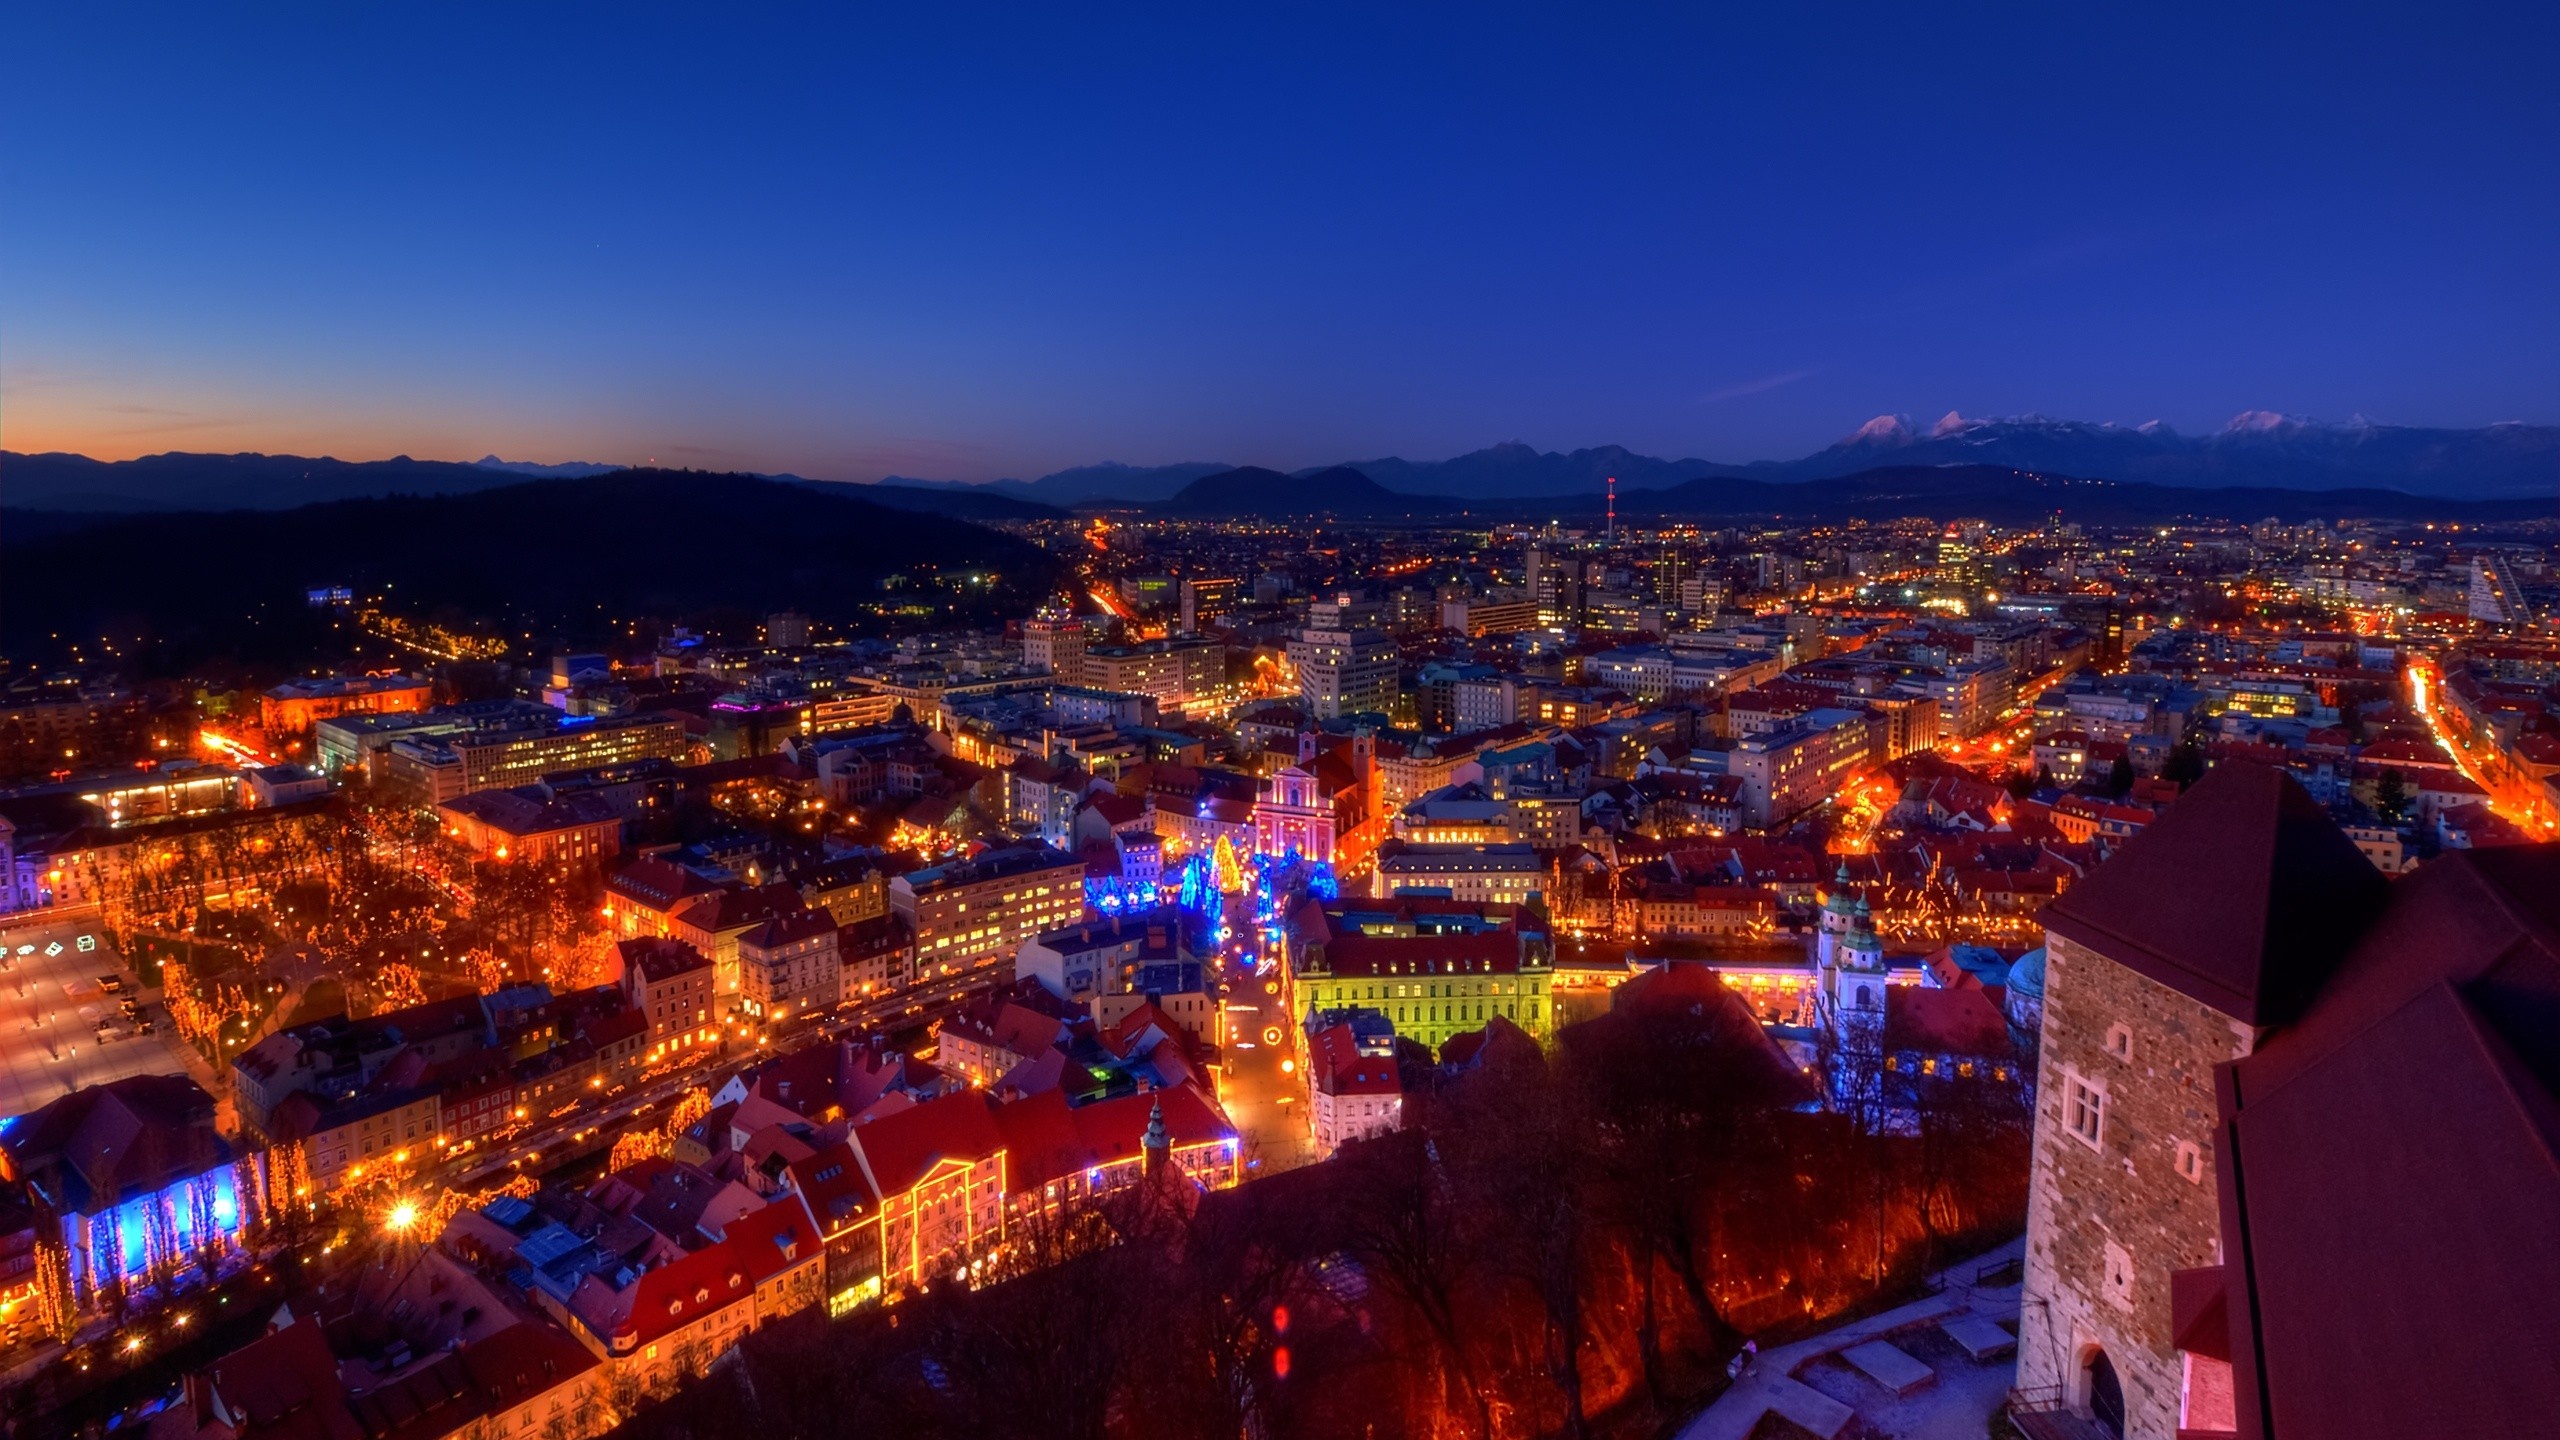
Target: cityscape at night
[855,886]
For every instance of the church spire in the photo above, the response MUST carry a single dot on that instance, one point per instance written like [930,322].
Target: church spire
[1157,1146]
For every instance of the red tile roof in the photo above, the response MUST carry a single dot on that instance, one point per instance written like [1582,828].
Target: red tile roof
[660,958]
[2239,895]
[1490,952]
[788,928]
[524,1360]
[1965,1021]
[1338,1068]
[899,1150]
[739,909]
[657,883]
[285,1383]
[779,1237]
[1047,1139]
[681,1292]
[2389,1171]
[834,1187]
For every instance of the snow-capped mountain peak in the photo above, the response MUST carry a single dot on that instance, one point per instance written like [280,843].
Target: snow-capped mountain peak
[1882,430]
[2265,422]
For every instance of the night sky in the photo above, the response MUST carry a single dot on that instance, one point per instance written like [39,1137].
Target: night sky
[969,245]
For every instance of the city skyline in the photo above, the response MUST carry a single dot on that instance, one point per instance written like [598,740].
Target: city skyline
[1644,723]
[966,250]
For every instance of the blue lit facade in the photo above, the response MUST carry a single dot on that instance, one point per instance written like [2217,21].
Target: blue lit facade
[132,1178]
[118,1244]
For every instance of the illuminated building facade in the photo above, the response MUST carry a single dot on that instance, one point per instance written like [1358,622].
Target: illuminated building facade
[524,826]
[1794,768]
[1207,601]
[670,982]
[1294,817]
[788,966]
[1055,646]
[446,767]
[973,913]
[131,1179]
[641,899]
[714,923]
[1170,672]
[1344,672]
[1434,968]
[1476,874]
[1353,1086]
[297,705]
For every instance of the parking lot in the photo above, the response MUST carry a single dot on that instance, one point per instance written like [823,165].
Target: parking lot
[64,1026]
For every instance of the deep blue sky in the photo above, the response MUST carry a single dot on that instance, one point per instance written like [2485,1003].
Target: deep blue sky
[967,245]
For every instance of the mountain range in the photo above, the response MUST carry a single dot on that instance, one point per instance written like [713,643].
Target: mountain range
[1996,493]
[2257,449]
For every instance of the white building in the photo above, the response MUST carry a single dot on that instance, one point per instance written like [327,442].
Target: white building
[1353,1089]
[1344,672]
[1791,769]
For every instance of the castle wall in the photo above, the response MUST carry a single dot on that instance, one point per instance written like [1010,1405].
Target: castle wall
[2107,1224]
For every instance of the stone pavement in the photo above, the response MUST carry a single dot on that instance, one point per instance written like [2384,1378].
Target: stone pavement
[1769,1382]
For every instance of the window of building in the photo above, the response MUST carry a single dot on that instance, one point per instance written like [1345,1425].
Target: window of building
[2190,1162]
[2120,1041]
[2084,1110]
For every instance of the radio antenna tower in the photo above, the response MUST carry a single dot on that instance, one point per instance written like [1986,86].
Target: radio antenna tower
[1613,509]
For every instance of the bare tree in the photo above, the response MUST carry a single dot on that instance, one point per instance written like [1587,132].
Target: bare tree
[1400,1222]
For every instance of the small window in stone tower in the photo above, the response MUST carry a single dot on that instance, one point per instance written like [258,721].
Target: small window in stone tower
[2120,1041]
[2190,1162]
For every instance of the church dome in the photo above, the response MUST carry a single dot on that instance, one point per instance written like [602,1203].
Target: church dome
[2026,975]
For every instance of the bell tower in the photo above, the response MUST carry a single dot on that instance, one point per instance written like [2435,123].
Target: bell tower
[1839,909]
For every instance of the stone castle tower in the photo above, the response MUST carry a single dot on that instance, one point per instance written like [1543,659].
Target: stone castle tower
[2206,930]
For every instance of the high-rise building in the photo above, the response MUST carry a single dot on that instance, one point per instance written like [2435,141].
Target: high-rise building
[1498,614]
[1056,645]
[1206,602]
[1796,766]
[1171,672]
[1344,672]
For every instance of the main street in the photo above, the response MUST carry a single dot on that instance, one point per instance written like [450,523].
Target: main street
[1263,1088]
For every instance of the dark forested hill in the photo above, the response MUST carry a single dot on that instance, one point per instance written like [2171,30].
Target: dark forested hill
[180,481]
[568,559]
[1255,491]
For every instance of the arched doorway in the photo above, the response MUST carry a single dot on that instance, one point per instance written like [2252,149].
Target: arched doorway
[2106,1395]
